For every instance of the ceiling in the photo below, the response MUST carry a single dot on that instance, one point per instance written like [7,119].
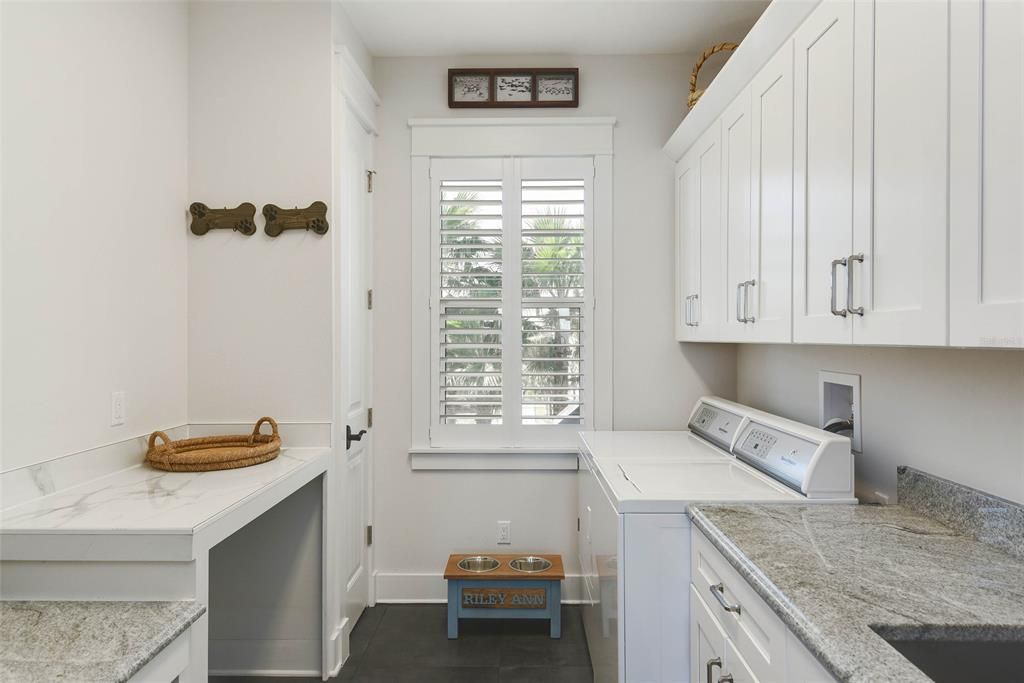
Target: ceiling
[411,28]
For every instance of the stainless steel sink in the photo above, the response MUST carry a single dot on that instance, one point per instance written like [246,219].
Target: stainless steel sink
[530,564]
[946,660]
[478,564]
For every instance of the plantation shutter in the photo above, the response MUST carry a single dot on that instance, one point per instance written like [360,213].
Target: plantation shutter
[511,300]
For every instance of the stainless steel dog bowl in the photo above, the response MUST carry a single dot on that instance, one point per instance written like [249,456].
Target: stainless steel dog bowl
[530,564]
[478,564]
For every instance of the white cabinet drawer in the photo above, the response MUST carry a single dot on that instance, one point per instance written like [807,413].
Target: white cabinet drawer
[759,635]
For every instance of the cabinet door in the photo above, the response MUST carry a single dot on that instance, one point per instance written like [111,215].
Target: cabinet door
[987,174]
[736,667]
[687,249]
[771,237]
[707,642]
[900,167]
[736,216]
[823,171]
[710,300]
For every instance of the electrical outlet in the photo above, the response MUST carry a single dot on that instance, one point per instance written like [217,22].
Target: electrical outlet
[117,408]
[504,533]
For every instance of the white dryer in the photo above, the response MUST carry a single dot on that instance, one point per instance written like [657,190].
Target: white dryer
[634,533]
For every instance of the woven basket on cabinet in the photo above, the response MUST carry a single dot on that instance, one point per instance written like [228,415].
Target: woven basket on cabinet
[207,453]
[695,92]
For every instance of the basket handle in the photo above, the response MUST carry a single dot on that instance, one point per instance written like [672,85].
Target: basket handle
[703,58]
[260,423]
[166,439]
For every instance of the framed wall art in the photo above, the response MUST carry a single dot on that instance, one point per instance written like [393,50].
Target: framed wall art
[525,88]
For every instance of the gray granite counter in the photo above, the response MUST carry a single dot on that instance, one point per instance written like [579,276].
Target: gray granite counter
[86,641]
[832,572]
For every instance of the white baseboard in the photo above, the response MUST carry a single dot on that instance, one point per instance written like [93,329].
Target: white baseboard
[431,588]
[269,673]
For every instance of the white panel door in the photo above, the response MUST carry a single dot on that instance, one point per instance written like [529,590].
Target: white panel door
[736,667]
[707,641]
[897,267]
[354,394]
[736,218]
[823,172]
[709,303]
[771,239]
[687,249]
[987,174]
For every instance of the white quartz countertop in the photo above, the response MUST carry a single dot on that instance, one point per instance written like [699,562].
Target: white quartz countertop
[147,500]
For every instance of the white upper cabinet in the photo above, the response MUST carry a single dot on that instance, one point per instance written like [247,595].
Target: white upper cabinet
[770,292]
[823,173]
[687,249]
[987,174]
[736,217]
[897,267]
[866,186]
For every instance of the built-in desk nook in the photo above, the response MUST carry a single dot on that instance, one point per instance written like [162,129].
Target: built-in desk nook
[140,534]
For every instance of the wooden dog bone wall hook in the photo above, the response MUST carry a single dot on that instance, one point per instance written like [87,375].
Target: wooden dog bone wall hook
[240,219]
[313,217]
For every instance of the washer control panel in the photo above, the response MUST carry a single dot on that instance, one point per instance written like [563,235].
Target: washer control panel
[778,453]
[715,424]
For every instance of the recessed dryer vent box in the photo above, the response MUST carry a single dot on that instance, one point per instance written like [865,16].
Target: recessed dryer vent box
[839,399]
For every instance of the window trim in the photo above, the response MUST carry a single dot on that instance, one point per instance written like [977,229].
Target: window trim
[509,138]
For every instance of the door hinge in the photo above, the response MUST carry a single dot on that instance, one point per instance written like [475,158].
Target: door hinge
[369,534]
[369,299]
[369,181]
[369,417]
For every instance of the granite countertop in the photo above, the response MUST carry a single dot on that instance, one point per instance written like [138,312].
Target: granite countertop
[831,572]
[48,641]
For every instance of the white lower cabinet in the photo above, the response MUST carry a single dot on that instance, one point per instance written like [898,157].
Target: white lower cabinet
[734,636]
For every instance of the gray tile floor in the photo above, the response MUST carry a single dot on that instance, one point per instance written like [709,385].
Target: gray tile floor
[409,644]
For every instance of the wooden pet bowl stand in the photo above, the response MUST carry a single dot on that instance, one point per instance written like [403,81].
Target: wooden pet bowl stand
[504,593]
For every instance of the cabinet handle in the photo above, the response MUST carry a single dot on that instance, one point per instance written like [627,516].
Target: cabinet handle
[710,667]
[746,300]
[859,310]
[832,303]
[696,310]
[740,317]
[718,590]
[725,678]
[687,315]
[693,318]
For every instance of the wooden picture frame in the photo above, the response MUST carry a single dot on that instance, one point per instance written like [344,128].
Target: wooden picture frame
[503,88]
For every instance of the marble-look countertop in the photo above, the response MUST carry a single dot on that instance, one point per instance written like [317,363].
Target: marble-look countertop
[42,641]
[142,499]
[832,571]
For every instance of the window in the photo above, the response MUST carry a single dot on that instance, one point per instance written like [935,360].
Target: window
[511,301]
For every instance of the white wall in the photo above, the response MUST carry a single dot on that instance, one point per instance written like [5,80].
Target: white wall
[259,308]
[94,259]
[951,412]
[420,517]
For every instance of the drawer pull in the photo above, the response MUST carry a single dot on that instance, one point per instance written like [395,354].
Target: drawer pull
[718,590]
[725,678]
[711,664]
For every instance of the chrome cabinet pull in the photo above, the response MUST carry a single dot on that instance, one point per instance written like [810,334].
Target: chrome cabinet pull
[832,302]
[710,667]
[725,678]
[740,317]
[696,310]
[859,310]
[718,590]
[746,300]
[689,310]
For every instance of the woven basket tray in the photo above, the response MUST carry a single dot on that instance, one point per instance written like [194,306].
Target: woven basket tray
[208,453]
[695,92]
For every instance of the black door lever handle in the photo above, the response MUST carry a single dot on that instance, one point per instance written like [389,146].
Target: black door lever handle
[350,437]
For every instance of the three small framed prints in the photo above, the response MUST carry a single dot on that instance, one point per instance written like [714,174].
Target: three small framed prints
[498,88]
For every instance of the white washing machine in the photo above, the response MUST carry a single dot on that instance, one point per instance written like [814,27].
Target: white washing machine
[634,534]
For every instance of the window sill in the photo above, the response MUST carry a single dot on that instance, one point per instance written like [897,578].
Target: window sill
[559,458]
